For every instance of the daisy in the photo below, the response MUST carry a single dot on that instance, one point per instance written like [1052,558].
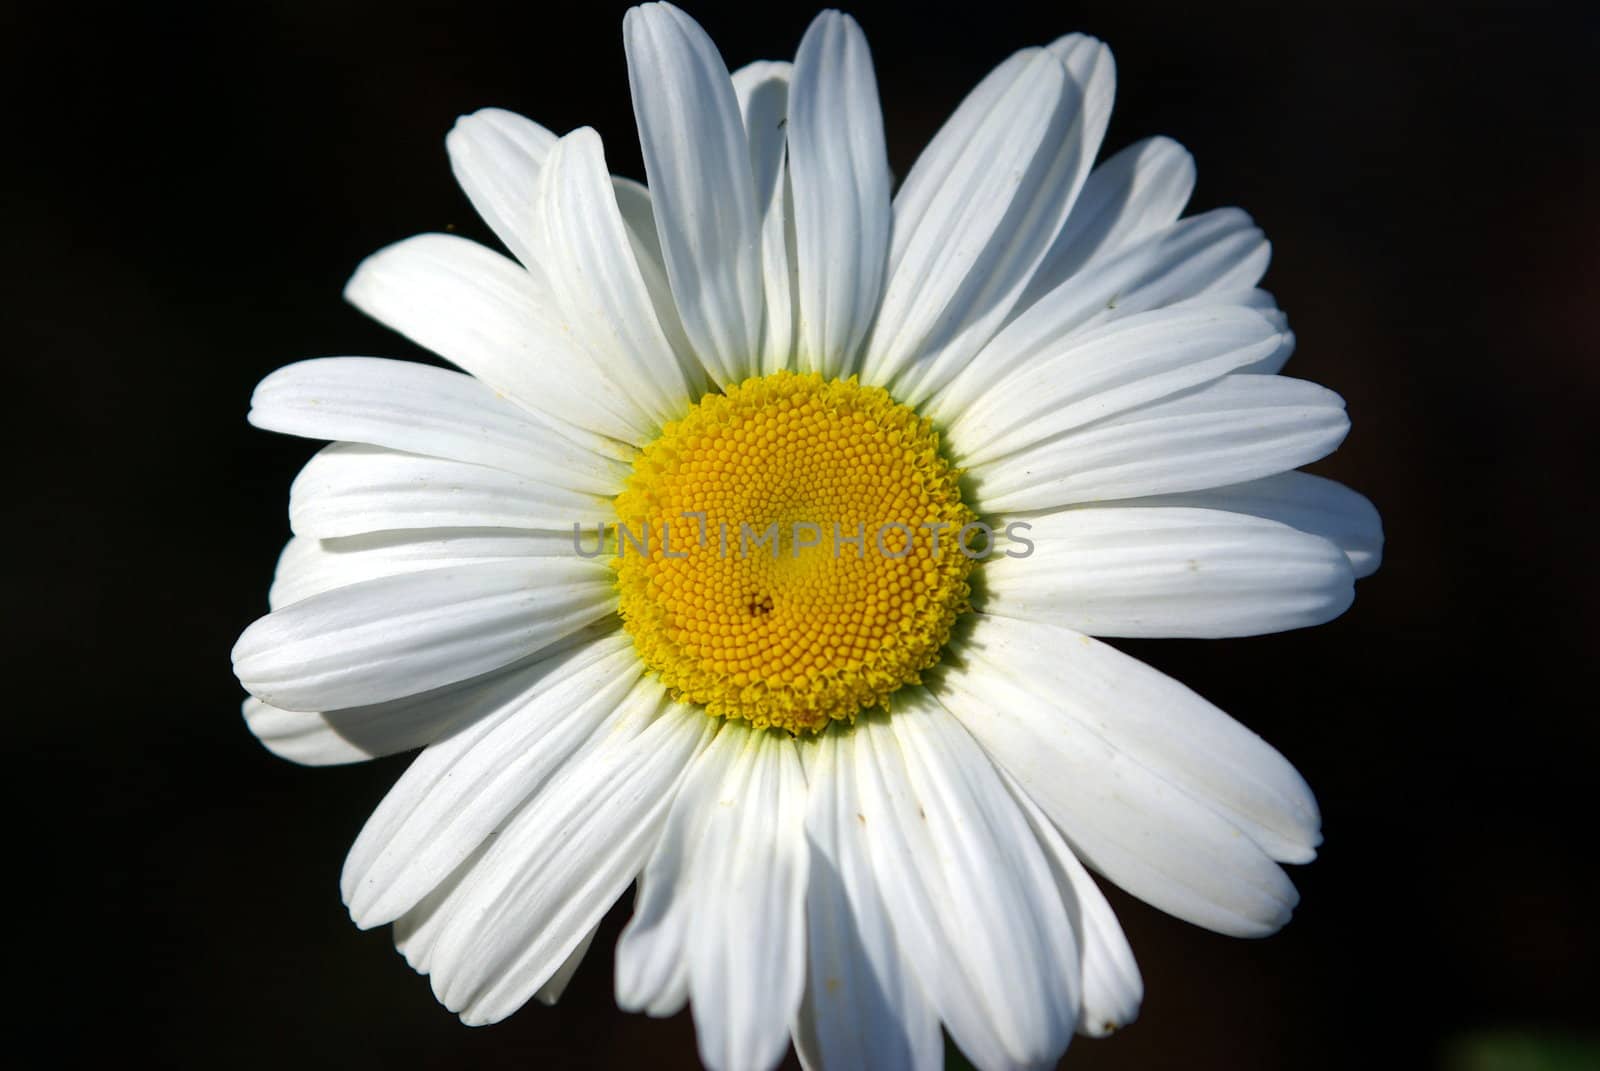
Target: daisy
[655,581]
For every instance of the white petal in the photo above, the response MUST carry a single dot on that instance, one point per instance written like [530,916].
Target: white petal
[1274,363]
[462,789]
[1096,374]
[639,216]
[763,92]
[1134,194]
[560,863]
[1093,73]
[400,635]
[721,902]
[309,739]
[348,489]
[493,319]
[420,409]
[1310,503]
[416,933]
[1254,297]
[1106,747]
[1267,305]
[652,962]
[863,1007]
[1170,572]
[697,159]
[746,939]
[551,991]
[311,566]
[1216,253]
[356,734]
[496,156]
[974,218]
[1175,265]
[1237,428]
[596,283]
[313,738]
[972,900]
[840,170]
[1112,988]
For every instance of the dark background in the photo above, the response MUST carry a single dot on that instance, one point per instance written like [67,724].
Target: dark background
[188,187]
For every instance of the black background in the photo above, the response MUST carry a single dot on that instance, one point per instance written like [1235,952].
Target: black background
[186,190]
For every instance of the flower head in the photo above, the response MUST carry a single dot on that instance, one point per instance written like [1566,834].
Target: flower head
[862,476]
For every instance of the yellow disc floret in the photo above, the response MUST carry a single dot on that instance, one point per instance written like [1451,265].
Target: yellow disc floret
[788,553]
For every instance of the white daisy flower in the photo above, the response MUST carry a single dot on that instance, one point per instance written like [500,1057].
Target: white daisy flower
[861,780]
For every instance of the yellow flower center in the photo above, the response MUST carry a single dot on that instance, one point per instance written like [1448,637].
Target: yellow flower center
[788,553]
